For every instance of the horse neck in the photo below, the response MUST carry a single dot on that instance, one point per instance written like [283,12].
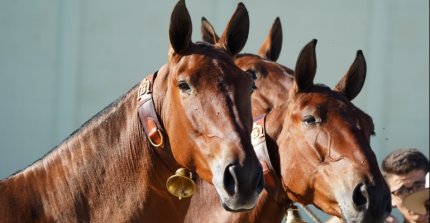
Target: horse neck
[102,168]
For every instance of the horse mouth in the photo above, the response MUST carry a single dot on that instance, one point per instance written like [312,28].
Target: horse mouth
[227,208]
[357,217]
[238,204]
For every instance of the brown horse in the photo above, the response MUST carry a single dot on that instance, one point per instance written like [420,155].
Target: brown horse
[114,168]
[318,146]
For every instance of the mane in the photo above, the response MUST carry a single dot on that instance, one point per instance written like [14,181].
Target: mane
[88,124]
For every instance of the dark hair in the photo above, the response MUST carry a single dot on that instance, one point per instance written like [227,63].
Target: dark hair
[404,160]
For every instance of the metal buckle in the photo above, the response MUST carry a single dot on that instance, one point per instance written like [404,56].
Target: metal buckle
[161,144]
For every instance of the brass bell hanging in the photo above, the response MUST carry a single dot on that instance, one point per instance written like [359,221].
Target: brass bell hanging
[181,184]
[293,215]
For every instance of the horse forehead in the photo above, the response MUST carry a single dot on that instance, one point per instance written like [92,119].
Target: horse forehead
[322,101]
[209,63]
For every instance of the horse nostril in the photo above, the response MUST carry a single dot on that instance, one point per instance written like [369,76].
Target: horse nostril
[230,179]
[360,196]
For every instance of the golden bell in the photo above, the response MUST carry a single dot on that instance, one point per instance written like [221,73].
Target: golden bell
[293,215]
[181,185]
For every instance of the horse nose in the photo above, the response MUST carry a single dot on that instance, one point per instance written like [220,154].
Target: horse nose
[238,180]
[360,197]
[369,199]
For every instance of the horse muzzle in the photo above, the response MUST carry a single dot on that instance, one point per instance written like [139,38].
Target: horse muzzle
[368,203]
[239,187]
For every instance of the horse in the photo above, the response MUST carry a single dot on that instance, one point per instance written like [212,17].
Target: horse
[193,113]
[314,147]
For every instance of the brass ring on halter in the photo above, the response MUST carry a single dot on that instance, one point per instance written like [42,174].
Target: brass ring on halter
[160,135]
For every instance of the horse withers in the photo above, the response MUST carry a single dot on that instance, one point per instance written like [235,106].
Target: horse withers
[194,113]
[317,140]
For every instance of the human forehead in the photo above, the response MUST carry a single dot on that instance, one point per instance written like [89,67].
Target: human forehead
[397,181]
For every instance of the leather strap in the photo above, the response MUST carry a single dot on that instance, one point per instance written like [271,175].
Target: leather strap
[258,136]
[273,183]
[154,130]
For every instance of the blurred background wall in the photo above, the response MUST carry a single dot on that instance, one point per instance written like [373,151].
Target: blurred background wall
[63,61]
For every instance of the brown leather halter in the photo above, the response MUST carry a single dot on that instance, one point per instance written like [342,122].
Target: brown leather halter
[154,130]
[273,182]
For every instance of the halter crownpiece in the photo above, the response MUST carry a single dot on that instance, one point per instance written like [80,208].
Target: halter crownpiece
[179,184]
[148,117]
[272,180]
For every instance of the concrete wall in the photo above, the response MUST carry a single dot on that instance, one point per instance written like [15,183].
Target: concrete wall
[63,61]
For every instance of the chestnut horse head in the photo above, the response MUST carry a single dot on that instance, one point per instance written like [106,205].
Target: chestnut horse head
[317,140]
[324,145]
[207,109]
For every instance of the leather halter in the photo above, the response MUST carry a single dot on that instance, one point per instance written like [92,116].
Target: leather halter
[154,130]
[273,182]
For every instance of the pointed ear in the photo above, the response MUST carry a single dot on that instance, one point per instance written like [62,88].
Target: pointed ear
[180,29]
[208,32]
[306,67]
[352,82]
[271,47]
[235,34]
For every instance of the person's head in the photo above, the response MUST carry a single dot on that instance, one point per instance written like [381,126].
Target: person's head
[405,171]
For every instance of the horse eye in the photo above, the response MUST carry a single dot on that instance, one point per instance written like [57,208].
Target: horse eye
[311,120]
[184,86]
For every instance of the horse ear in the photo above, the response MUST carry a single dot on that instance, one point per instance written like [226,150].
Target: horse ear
[236,33]
[271,47]
[208,32]
[306,67]
[352,82]
[180,29]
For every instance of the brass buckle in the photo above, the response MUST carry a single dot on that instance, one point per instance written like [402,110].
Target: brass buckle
[161,144]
